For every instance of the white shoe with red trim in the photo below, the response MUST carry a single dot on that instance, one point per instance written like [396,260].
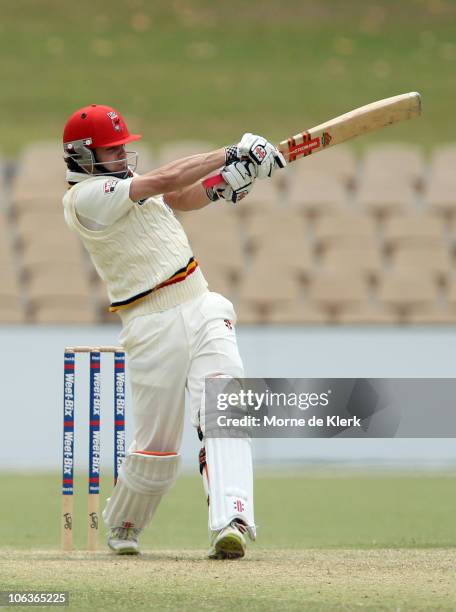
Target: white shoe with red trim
[229,542]
[124,540]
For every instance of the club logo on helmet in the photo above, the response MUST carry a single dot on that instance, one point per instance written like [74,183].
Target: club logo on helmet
[115,121]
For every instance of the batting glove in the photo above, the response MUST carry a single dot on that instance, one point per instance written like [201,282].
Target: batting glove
[239,178]
[266,157]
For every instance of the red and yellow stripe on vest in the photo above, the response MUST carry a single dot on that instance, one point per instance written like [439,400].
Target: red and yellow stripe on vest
[177,277]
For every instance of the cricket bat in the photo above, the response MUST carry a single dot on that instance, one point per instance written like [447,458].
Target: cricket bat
[359,121]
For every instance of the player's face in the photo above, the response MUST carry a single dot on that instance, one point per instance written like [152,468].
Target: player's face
[114,158]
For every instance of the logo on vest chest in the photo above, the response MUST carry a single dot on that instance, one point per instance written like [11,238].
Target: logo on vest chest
[109,186]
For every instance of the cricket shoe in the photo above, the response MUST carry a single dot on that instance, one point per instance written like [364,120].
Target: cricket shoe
[124,540]
[229,542]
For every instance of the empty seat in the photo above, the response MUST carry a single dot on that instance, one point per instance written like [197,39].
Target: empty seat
[44,237]
[61,289]
[433,260]
[440,191]
[248,314]
[40,173]
[385,196]
[414,230]
[227,263]
[40,221]
[443,160]
[293,256]
[394,160]
[366,313]
[345,230]
[59,279]
[12,307]
[337,162]
[219,280]
[211,224]
[317,193]
[289,313]
[365,260]
[440,194]
[11,312]
[47,252]
[50,203]
[274,227]
[451,297]
[335,292]
[407,291]
[217,241]
[433,314]
[5,253]
[266,194]
[297,312]
[214,236]
[265,288]
[5,239]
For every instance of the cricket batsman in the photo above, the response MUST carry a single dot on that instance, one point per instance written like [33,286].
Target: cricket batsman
[175,331]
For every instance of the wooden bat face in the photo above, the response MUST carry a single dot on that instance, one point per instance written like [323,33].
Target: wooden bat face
[345,127]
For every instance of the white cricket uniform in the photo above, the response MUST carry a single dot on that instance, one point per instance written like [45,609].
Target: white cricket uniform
[174,336]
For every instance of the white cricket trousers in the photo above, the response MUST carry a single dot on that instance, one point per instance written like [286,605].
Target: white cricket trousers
[170,351]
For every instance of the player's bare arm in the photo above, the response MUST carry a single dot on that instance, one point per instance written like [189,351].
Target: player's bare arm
[176,175]
[193,197]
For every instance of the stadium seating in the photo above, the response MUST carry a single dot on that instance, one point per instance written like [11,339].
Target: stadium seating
[338,162]
[403,162]
[335,292]
[316,193]
[265,291]
[267,196]
[345,229]
[40,176]
[335,239]
[408,292]
[12,307]
[440,190]
[390,176]
[365,261]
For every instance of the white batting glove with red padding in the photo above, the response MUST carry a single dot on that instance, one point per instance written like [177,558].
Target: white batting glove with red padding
[266,157]
[239,178]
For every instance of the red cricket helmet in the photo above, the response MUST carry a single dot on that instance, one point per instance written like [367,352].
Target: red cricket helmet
[102,125]
[91,127]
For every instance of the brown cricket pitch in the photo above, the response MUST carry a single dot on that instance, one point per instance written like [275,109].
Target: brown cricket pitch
[381,579]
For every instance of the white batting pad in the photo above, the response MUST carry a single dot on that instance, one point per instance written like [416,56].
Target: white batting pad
[229,482]
[143,480]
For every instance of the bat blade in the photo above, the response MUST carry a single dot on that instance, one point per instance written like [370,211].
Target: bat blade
[368,118]
[362,120]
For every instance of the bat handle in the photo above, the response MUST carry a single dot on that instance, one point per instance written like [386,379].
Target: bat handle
[211,181]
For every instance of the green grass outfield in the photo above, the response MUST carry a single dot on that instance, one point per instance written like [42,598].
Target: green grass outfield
[207,69]
[326,539]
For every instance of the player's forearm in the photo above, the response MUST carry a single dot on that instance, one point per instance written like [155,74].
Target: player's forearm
[176,175]
[189,198]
